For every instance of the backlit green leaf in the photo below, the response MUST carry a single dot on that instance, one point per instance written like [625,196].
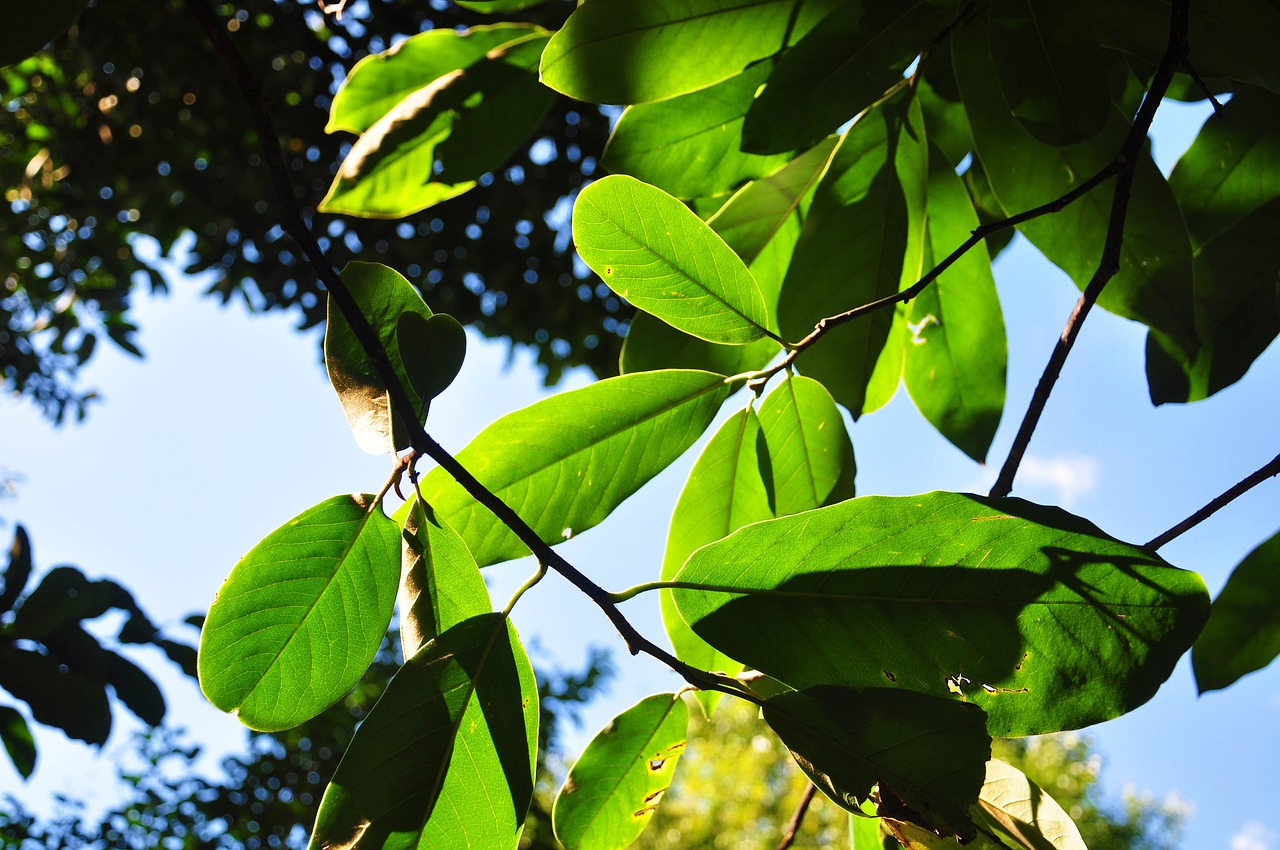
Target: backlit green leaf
[810,455]
[1051,69]
[431,351]
[17,740]
[725,491]
[441,584]
[956,354]
[566,462]
[498,7]
[1027,611]
[691,145]
[1153,285]
[383,295]
[1025,812]
[839,69]
[436,141]
[616,784]
[662,43]
[300,617]
[1243,634]
[652,344]
[652,250]
[928,752]
[446,757]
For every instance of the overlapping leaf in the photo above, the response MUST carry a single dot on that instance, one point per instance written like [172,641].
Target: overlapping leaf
[1243,634]
[446,758]
[652,344]
[566,462]
[810,455]
[1029,612]
[662,44]
[299,618]
[927,752]
[652,250]
[616,784]
[441,585]
[1022,810]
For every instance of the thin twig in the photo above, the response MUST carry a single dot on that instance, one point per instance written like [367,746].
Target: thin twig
[1128,158]
[1270,470]
[793,825]
[293,223]
[1204,87]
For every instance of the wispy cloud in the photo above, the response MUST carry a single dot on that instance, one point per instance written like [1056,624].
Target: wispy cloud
[1254,835]
[1065,478]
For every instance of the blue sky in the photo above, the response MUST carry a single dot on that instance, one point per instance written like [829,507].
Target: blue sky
[229,428]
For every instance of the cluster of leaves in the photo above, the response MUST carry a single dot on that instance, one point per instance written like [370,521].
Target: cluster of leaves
[126,128]
[763,231]
[59,668]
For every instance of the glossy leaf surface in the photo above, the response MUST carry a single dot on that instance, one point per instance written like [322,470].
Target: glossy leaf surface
[691,145]
[566,462]
[652,344]
[652,250]
[810,455]
[300,617]
[383,295]
[663,45]
[446,757]
[1025,812]
[928,752]
[616,784]
[440,585]
[725,491]
[1027,611]
[1243,634]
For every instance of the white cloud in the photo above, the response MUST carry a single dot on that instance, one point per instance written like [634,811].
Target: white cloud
[1254,835]
[1071,476]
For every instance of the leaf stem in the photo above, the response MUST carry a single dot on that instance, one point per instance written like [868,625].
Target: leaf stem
[1269,470]
[1127,162]
[520,591]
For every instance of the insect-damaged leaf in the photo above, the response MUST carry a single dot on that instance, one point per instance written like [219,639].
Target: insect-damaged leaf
[300,617]
[446,758]
[615,786]
[566,462]
[1028,611]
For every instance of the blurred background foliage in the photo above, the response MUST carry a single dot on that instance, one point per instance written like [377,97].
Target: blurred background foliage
[128,127]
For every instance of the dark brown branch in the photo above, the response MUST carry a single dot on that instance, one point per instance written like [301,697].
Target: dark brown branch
[1128,158]
[1270,470]
[293,223]
[793,826]
[1204,87]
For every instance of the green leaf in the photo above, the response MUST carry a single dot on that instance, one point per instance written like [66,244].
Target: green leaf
[30,26]
[810,454]
[498,7]
[1234,40]
[441,138]
[865,831]
[18,741]
[1153,285]
[851,251]
[614,787]
[1236,312]
[691,145]
[18,571]
[1051,69]
[652,344]
[652,250]
[566,462]
[956,356]
[1024,811]
[928,752]
[377,83]
[383,296]
[446,757]
[1233,166]
[944,116]
[442,585]
[662,44]
[1027,611]
[1243,634]
[57,696]
[762,221]
[987,206]
[839,69]
[300,617]
[725,491]
[431,351]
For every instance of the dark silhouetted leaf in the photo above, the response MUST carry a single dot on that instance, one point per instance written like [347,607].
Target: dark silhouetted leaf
[57,696]
[1243,634]
[18,571]
[431,350]
[30,26]
[17,740]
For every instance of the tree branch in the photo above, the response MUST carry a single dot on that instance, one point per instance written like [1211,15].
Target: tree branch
[793,825]
[1127,159]
[294,224]
[1270,470]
